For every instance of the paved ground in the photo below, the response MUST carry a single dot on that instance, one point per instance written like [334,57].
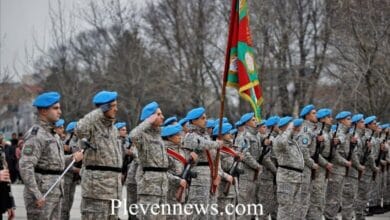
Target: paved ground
[17,191]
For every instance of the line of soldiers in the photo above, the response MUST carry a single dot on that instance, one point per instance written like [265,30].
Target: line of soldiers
[296,168]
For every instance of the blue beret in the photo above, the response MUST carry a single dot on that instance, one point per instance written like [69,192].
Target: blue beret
[70,127]
[195,113]
[384,126]
[226,127]
[272,121]
[149,110]
[261,123]
[369,120]
[171,130]
[356,118]
[284,121]
[104,97]
[233,131]
[238,124]
[183,121]
[46,100]
[210,123]
[170,120]
[120,125]
[306,110]
[60,123]
[324,112]
[297,122]
[224,120]
[343,115]
[333,127]
[246,117]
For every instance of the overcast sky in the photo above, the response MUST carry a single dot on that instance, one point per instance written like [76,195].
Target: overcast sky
[24,23]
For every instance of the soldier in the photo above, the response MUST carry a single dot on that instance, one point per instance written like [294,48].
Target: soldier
[386,129]
[210,124]
[183,123]
[266,185]
[250,145]
[340,163]
[318,185]
[71,178]
[290,169]
[153,182]
[59,129]
[125,145]
[366,158]
[228,188]
[351,181]
[198,140]
[307,142]
[177,161]
[43,160]
[170,121]
[101,169]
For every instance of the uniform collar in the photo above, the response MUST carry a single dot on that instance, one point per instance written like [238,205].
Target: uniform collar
[309,124]
[196,129]
[171,145]
[47,126]
[343,128]
[251,130]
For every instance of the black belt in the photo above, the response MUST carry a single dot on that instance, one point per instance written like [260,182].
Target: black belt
[155,169]
[291,168]
[203,164]
[104,168]
[48,172]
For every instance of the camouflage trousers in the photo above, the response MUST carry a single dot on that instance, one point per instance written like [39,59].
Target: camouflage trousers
[375,191]
[350,191]
[266,196]
[200,192]
[51,209]
[362,196]
[383,192]
[317,195]
[67,200]
[305,193]
[334,193]
[387,192]
[131,190]
[246,195]
[150,200]
[92,209]
[288,197]
[222,203]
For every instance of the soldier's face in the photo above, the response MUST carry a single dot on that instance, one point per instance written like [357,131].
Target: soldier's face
[176,139]
[228,137]
[59,130]
[346,122]
[51,114]
[251,123]
[113,110]
[372,125]
[312,116]
[200,122]
[160,118]
[327,120]
[262,129]
[360,124]
[123,132]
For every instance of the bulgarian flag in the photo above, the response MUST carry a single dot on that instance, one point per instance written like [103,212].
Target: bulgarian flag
[240,68]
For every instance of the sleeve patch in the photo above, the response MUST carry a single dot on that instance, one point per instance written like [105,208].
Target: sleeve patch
[27,150]
[305,140]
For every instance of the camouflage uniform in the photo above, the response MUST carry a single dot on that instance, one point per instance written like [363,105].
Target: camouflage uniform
[71,179]
[365,181]
[318,184]
[41,163]
[174,172]
[351,183]
[198,140]
[231,196]
[375,199]
[131,180]
[289,175]
[266,185]
[250,145]
[101,170]
[307,142]
[387,192]
[336,178]
[153,182]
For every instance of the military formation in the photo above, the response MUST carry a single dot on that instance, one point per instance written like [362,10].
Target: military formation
[304,168]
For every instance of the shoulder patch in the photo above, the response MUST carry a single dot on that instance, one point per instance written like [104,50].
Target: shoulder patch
[28,150]
[305,140]
[34,131]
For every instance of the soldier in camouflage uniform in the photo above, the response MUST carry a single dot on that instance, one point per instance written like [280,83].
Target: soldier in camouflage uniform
[250,145]
[351,181]
[71,178]
[43,160]
[386,128]
[198,140]
[227,195]
[318,185]
[152,187]
[336,178]
[290,171]
[172,141]
[307,142]
[266,185]
[101,169]
[60,129]
[366,158]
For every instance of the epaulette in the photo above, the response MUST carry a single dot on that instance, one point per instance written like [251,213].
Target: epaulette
[34,131]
